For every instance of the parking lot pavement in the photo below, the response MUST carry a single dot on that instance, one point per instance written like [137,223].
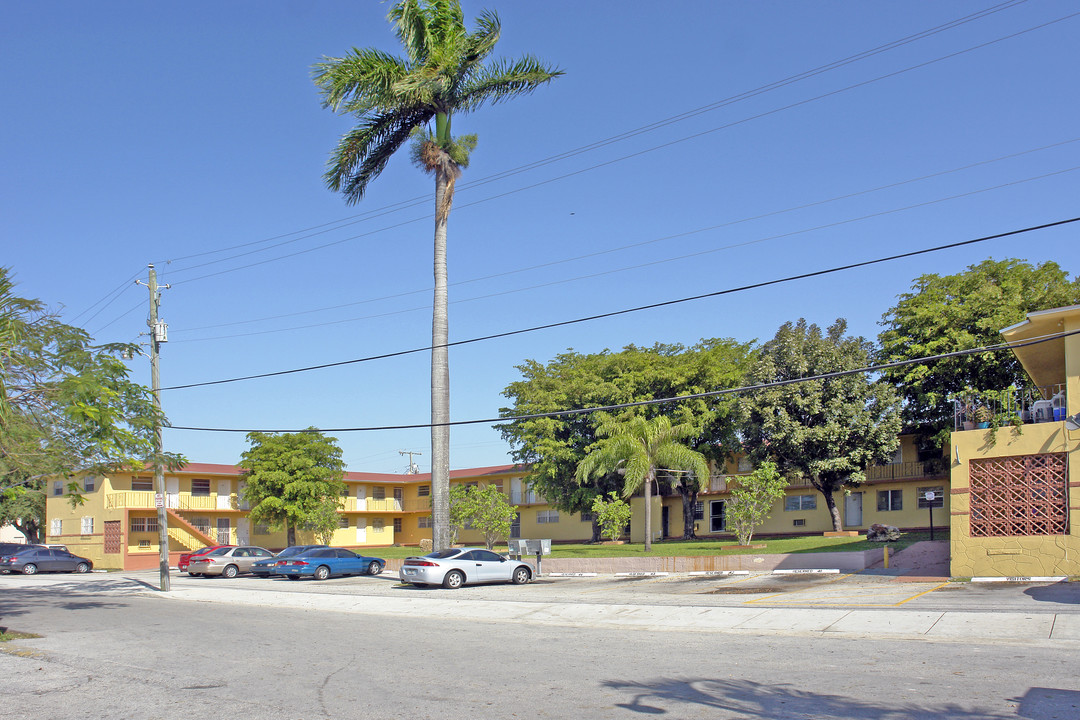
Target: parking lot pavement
[827,605]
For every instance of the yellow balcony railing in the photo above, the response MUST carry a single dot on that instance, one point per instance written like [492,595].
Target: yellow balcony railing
[144,500]
[352,504]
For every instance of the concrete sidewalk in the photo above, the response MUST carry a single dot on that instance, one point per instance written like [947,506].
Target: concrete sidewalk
[1052,629]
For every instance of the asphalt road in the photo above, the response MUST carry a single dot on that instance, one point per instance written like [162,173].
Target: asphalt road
[112,649]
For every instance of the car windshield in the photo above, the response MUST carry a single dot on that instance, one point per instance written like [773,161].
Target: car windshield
[444,554]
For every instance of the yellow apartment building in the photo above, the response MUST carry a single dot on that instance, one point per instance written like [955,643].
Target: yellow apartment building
[1016,491]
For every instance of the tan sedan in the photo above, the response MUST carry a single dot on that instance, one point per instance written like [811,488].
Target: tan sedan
[228,561]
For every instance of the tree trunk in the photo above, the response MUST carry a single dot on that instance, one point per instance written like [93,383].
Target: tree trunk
[440,372]
[648,509]
[596,537]
[689,498]
[290,534]
[30,530]
[830,503]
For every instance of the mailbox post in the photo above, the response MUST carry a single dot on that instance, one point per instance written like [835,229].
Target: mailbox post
[538,548]
[930,506]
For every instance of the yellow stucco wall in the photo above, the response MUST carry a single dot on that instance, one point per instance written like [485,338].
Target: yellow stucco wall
[1054,555]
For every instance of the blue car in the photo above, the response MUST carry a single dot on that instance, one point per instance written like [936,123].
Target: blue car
[268,567]
[325,562]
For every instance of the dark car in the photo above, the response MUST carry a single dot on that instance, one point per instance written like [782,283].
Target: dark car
[8,548]
[268,567]
[33,559]
[321,564]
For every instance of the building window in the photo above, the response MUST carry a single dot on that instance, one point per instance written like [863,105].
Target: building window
[56,527]
[939,497]
[699,510]
[261,529]
[890,500]
[202,524]
[89,483]
[798,522]
[345,490]
[343,522]
[200,488]
[58,487]
[397,525]
[144,524]
[547,516]
[142,484]
[424,522]
[378,492]
[378,525]
[498,486]
[423,490]
[800,502]
[87,526]
[745,465]
[587,517]
[1019,496]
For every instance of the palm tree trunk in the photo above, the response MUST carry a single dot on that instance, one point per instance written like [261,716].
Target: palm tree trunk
[648,509]
[440,374]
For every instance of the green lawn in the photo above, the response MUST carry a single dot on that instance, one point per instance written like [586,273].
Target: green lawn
[679,548]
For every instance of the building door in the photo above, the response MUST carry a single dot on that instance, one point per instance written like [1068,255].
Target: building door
[664,529]
[243,537]
[223,531]
[515,527]
[172,492]
[716,516]
[361,498]
[361,530]
[853,509]
[399,496]
[114,537]
[224,494]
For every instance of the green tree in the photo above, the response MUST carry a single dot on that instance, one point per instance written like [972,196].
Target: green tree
[295,480]
[826,431]
[750,499]
[553,446]
[612,515]
[944,314]
[483,508]
[444,73]
[67,406]
[636,448]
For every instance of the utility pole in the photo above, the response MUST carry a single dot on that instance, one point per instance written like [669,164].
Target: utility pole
[413,468]
[157,336]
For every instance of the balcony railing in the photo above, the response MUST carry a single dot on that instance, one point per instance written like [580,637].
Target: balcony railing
[144,500]
[1032,405]
[351,504]
[905,471]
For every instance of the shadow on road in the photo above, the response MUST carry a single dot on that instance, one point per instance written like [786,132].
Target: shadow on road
[749,699]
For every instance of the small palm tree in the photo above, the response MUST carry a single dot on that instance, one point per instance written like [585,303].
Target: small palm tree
[638,448]
[443,73]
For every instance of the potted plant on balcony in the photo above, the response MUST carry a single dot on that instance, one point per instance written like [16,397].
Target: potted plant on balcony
[983,415]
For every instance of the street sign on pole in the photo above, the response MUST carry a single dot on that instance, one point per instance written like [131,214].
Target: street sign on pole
[930,506]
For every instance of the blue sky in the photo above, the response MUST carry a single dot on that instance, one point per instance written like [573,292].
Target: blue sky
[171,132]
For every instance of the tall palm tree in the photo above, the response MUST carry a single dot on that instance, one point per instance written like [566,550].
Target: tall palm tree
[393,99]
[638,448]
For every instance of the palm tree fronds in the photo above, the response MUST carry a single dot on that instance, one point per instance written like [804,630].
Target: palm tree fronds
[503,80]
[361,81]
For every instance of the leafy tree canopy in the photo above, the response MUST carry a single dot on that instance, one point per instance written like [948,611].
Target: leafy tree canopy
[483,508]
[826,431]
[554,446]
[295,480]
[943,314]
[66,406]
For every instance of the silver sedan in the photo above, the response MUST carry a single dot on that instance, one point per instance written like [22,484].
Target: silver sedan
[463,566]
[227,561]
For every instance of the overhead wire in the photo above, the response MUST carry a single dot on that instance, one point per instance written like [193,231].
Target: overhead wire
[393,207]
[635,154]
[609,251]
[639,308]
[660,401]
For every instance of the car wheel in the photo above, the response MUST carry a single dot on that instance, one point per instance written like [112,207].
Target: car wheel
[82,568]
[453,580]
[230,571]
[293,577]
[29,569]
[322,572]
[521,576]
[192,574]
[374,568]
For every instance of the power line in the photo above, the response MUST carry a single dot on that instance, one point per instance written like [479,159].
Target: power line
[645,151]
[639,308]
[660,401]
[394,207]
[620,248]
